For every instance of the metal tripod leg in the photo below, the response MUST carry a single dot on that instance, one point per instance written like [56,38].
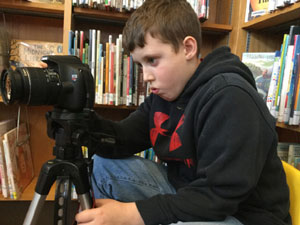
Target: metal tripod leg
[85,201]
[34,209]
[62,201]
[52,170]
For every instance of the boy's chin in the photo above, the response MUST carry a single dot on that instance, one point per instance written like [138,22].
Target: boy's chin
[168,98]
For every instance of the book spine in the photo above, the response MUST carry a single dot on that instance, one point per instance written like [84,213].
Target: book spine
[285,84]
[112,75]
[101,80]
[98,58]
[93,54]
[274,81]
[10,165]
[118,72]
[81,45]
[296,116]
[106,73]
[4,181]
[70,46]
[281,72]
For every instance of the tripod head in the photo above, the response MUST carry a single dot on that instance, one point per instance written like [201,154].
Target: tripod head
[70,130]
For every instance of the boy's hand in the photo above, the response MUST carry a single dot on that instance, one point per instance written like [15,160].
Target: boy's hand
[110,212]
[43,65]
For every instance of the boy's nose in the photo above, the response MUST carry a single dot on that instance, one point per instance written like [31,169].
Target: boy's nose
[147,75]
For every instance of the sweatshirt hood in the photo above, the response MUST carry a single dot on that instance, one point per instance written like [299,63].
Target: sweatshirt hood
[219,61]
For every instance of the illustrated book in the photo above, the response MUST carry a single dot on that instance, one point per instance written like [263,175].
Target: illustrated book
[18,160]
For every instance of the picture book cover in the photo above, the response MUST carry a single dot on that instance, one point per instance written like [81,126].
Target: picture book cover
[18,160]
[261,66]
[256,8]
[5,126]
[28,53]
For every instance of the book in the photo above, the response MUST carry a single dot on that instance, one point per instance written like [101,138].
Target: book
[5,126]
[18,160]
[296,106]
[283,150]
[106,87]
[76,41]
[294,155]
[274,81]
[293,83]
[111,86]
[28,53]
[93,53]
[256,8]
[283,115]
[81,45]
[261,66]
[70,42]
[284,48]
[118,61]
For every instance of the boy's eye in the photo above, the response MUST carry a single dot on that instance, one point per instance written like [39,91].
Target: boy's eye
[152,61]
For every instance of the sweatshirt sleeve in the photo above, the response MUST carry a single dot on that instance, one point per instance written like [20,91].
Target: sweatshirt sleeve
[232,140]
[129,136]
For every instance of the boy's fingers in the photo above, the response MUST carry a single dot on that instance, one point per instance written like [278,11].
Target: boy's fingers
[101,202]
[43,65]
[84,216]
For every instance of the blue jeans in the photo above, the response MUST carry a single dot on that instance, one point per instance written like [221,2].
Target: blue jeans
[136,178]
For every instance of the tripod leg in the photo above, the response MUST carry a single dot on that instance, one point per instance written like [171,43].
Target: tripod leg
[62,201]
[34,209]
[85,201]
[46,179]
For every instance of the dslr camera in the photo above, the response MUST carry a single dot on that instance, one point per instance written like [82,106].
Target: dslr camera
[66,83]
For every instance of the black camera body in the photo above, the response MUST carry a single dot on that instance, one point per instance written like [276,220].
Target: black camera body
[66,83]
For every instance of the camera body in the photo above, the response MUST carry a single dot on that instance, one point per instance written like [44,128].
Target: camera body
[66,83]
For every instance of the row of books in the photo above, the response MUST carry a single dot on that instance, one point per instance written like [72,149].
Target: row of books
[149,154]
[16,168]
[118,80]
[201,7]
[277,77]
[109,5]
[256,8]
[290,153]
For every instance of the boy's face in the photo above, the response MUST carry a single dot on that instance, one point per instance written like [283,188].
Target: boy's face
[166,71]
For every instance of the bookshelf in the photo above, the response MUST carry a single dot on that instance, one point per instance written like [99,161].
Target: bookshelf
[24,7]
[44,22]
[265,34]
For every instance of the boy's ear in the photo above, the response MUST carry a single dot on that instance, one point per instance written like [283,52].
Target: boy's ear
[190,47]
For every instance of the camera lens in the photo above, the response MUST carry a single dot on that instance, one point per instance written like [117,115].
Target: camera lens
[30,85]
[7,88]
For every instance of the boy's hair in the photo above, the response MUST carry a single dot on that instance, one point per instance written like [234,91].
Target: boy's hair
[169,20]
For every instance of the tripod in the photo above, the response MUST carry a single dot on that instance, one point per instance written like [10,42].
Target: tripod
[69,131]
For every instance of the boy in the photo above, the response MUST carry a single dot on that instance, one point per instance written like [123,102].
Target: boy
[205,120]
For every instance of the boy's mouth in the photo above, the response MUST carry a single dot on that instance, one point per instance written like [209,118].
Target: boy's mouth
[154,90]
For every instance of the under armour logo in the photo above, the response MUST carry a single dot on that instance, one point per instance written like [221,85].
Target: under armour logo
[159,119]
[175,139]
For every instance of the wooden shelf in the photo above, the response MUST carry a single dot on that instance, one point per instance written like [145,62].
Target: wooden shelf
[123,17]
[28,193]
[278,17]
[218,28]
[101,14]
[295,128]
[18,6]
